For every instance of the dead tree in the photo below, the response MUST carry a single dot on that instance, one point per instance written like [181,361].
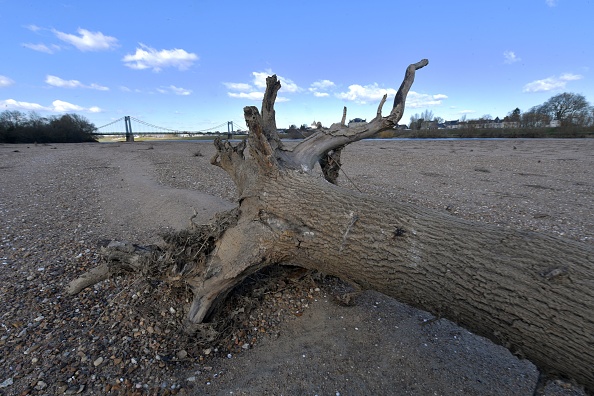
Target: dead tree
[532,293]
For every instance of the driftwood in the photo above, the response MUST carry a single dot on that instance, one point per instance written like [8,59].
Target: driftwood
[532,293]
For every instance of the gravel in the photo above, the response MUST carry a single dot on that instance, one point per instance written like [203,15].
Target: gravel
[60,203]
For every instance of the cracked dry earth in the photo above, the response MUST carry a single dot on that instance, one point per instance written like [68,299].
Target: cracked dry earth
[60,203]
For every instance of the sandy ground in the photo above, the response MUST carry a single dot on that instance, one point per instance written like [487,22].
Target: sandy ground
[59,202]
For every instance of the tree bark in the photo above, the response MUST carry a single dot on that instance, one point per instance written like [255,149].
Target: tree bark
[532,293]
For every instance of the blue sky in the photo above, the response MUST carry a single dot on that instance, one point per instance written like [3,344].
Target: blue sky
[191,65]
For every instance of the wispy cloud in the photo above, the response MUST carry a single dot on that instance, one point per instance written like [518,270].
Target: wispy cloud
[373,93]
[320,88]
[51,49]
[238,86]
[33,28]
[415,100]
[255,90]
[175,90]
[510,57]
[61,83]
[57,106]
[287,85]
[365,93]
[5,81]
[87,40]
[551,83]
[551,3]
[146,57]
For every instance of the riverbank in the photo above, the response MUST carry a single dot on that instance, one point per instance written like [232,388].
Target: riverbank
[58,203]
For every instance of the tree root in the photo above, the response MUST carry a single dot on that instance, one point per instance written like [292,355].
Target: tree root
[183,257]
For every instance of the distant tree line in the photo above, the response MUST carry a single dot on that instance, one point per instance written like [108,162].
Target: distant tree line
[18,127]
[569,109]
[566,110]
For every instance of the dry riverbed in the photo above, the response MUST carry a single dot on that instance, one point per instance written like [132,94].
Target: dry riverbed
[59,203]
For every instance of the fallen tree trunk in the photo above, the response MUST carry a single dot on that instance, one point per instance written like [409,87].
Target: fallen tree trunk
[530,292]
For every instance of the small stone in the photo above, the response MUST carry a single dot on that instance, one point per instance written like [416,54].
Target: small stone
[191,379]
[6,382]
[98,361]
[74,390]
[207,351]
[40,385]
[182,354]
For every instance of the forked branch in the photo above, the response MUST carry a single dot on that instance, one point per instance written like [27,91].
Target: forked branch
[308,152]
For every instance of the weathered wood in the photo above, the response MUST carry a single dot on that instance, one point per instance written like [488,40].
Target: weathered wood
[532,293]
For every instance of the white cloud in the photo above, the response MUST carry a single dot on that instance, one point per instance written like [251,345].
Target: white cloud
[255,91]
[463,112]
[551,3]
[88,41]
[510,57]
[58,106]
[5,81]
[260,78]
[64,107]
[149,58]
[286,84]
[53,48]
[58,82]
[322,84]
[255,95]
[238,86]
[364,93]
[570,77]
[17,105]
[175,90]
[98,87]
[180,91]
[415,100]
[373,93]
[33,28]
[551,83]
[318,88]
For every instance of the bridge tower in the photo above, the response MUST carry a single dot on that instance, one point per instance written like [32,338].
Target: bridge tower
[229,130]
[129,134]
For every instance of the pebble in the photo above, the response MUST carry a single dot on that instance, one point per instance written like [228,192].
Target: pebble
[98,361]
[7,382]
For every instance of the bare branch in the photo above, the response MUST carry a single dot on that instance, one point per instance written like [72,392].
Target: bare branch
[400,99]
[260,147]
[308,152]
[268,113]
[381,105]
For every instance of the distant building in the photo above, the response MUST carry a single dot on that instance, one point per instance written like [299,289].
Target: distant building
[451,124]
[356,121]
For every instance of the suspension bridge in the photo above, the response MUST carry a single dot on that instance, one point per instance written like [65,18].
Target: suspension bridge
[130,127]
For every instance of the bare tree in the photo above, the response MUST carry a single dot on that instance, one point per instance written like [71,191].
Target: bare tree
[569,108]
[530,292]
